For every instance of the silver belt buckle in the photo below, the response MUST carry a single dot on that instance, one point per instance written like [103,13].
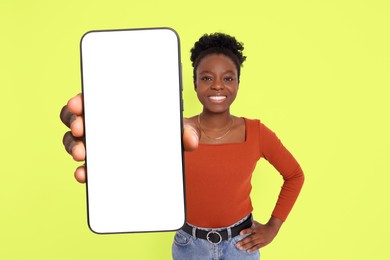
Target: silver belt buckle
[211,233]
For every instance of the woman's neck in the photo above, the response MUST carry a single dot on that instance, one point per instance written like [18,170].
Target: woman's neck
[215,121]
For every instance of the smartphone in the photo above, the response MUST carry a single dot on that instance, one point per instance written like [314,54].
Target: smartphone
[132,101]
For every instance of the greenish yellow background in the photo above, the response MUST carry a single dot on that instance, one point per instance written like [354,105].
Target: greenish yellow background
[317,73]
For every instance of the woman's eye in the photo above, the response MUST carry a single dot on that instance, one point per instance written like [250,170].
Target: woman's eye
[206,78]
[229,79]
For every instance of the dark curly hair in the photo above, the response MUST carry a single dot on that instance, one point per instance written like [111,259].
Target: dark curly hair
[217,43]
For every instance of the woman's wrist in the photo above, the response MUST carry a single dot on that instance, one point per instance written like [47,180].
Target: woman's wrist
[275,224]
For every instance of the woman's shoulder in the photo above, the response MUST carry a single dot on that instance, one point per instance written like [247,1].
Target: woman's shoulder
[252,122]
[258,126]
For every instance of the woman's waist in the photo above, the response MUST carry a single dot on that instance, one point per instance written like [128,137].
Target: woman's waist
[206,217]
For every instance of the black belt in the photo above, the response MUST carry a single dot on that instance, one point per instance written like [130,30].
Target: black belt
[216,236]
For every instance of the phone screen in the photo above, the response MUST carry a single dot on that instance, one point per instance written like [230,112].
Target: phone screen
[131,85]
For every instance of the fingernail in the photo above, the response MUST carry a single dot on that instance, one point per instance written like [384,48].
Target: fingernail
[69,149]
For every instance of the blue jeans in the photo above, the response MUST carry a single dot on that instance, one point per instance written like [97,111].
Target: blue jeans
[187,247]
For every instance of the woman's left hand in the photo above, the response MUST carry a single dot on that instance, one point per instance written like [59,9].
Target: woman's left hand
[260,234]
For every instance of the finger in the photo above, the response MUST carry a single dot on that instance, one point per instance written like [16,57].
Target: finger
[190,138]
[78,151]
[258,245]
[74,146]
[246,231]
[245,242]
[66,116]
[249,244]
[77,126]
[254,248]
[69,141]
[75,105]
[80,174]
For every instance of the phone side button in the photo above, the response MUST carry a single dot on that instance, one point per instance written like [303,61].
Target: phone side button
[181,72]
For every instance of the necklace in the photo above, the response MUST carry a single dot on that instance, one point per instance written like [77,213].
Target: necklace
[219,137]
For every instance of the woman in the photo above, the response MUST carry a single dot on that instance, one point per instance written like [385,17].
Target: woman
[222,154]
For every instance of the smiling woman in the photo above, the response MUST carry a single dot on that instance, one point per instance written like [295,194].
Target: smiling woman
[219,172]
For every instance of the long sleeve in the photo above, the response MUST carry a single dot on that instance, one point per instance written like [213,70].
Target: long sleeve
[272,149]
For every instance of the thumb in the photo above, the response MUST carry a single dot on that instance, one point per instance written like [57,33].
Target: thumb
[190,138]
[246,231]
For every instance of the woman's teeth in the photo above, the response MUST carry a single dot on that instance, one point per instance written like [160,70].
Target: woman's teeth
[217,98]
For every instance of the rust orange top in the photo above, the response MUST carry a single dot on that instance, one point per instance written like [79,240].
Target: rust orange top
[218,177]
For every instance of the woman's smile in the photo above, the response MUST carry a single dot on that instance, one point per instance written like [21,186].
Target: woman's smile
[217,99]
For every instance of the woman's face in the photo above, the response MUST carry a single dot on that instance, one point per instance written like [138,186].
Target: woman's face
[216,83]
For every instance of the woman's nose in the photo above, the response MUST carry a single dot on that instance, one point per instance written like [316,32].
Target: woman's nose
[217,85]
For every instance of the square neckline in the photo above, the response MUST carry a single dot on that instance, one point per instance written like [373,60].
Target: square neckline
[236,143]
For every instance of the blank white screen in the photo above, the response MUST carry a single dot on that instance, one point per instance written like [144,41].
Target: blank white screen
[132,110]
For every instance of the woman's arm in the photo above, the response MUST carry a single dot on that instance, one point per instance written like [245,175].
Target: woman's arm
[275,153]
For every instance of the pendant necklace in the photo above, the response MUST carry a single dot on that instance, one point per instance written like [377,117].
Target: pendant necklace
[219,137]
